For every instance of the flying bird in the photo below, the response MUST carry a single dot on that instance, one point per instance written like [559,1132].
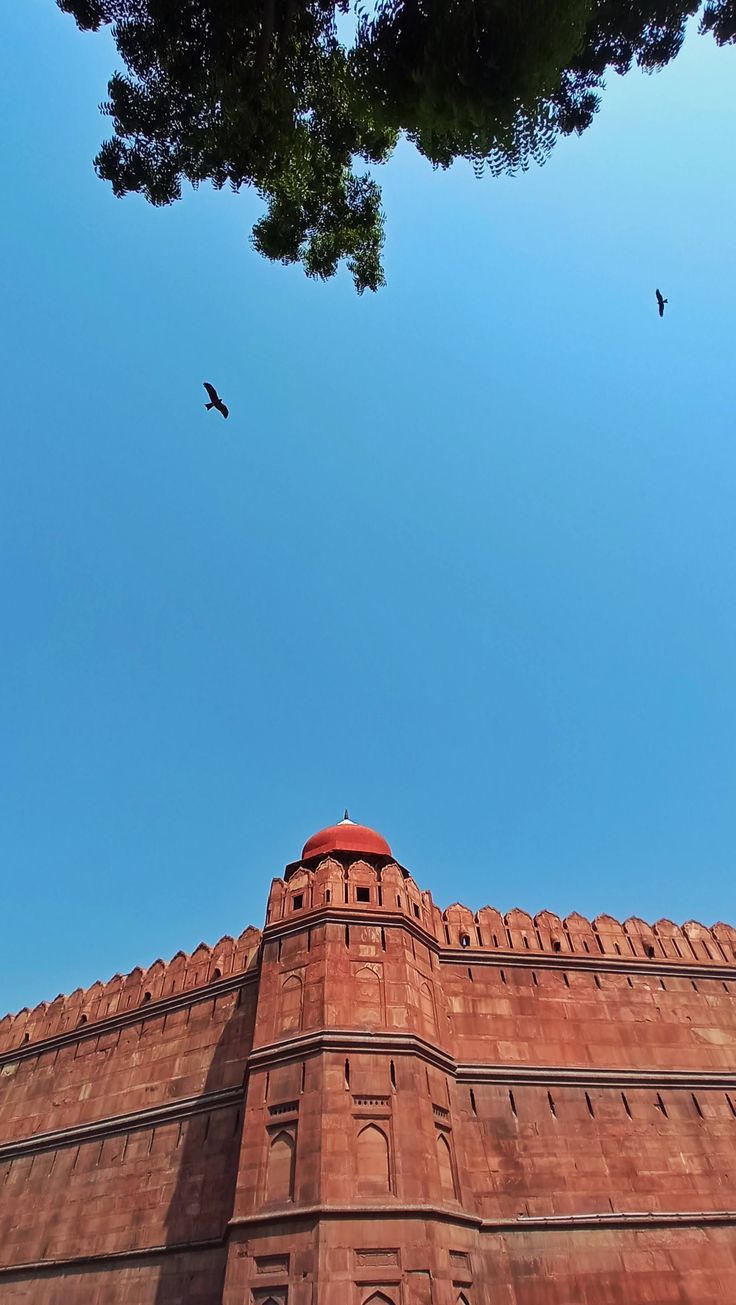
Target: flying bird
[661,303]
[215,400]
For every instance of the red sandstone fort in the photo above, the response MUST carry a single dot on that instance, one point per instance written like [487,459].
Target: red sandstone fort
[375,1102]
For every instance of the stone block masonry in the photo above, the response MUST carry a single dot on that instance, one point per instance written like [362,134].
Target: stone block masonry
[373,1102]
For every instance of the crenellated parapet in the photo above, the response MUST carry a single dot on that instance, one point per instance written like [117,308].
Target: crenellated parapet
[343,882]
[359,884]
[126,992]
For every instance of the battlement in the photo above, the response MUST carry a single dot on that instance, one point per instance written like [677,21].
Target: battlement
[126,992]
[361,885]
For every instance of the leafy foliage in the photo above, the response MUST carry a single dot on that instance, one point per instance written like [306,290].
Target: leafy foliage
[265,93]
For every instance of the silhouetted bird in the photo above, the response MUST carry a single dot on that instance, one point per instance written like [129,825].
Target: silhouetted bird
[661,302]
[216,401]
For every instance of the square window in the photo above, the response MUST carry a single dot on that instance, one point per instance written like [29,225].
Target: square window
[363,894]
[298,901]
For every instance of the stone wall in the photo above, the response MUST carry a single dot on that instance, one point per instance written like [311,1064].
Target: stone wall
[120,1114]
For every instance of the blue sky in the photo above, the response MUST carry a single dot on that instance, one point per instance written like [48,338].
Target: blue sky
[463,557]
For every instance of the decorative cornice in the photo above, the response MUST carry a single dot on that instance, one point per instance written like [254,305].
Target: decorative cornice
[353,1041]
[506,958]
[410,1044]
[584,1077]
[114,1125]
[123,1019]
[659,967]
[108,1259]
[634,1219]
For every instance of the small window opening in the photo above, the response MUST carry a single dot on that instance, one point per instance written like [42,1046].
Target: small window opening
[236,1124]
[347,1073]
[661,1106]
[345,889]
[217,974]
[706,949]
[383,940]
[82,1019]
[526,941]
[696,1103]
[512,1103]
[26,1037]
[470,974]
[695,986]
[347,935]
[495,940]
[598,983]
[328,895]
[617,949]
[585,945]
[398,900]
[676,947]
[465,940]
[726,987]
[447,934]
[649,949]
[551,1101]
[298,901]
[416,910]
[309,940]
[392,1072]
[380,895]
[268,1080]
[478,934]
[147,995]
[629,980]
[304,1076]
[535,980]
[279,951]
[475,1111]
[503,976]
[589,1104]
[567,980]
[362,894]
[662,984]
[556,945]
[627,1107]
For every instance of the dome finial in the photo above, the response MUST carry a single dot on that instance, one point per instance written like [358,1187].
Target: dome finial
[346,816]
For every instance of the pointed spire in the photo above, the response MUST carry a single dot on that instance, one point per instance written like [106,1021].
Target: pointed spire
[346,819]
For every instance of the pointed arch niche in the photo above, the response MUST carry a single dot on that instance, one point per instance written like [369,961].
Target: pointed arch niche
[444,1160]
[378,1298]
[426,1005]
[366,996]
[290,1018]
[373,1170]
[280,1167]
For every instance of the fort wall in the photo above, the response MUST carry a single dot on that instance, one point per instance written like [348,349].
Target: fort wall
[375,1102]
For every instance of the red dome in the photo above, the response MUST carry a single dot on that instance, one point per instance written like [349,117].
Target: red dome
[345,837]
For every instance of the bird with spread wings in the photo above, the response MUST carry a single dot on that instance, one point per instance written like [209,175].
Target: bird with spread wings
[661,303]
[215,400]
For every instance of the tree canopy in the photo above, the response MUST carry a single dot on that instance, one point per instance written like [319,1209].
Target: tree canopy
[271,94]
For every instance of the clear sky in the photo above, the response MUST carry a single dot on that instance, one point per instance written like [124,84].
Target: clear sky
[463,558]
